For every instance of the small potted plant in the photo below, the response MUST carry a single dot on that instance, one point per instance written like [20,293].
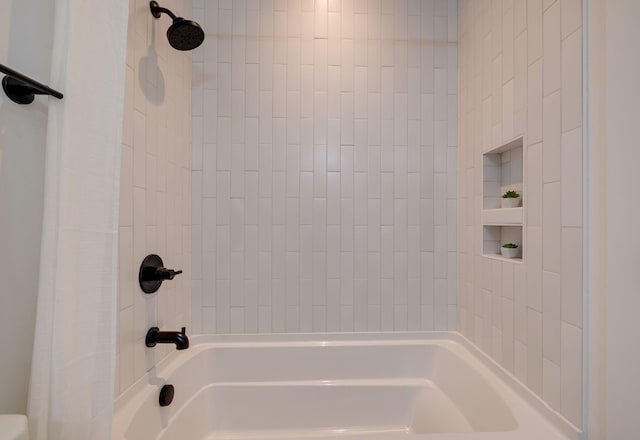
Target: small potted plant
[510,199]
[510,250]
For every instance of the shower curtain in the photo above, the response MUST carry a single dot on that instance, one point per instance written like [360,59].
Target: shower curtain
[73,368]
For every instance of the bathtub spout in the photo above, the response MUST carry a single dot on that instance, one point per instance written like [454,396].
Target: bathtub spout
[155,336]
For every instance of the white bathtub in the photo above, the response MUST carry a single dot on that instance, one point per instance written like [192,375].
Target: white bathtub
[365,386]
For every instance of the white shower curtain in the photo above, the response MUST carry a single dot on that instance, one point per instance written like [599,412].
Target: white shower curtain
[73,368]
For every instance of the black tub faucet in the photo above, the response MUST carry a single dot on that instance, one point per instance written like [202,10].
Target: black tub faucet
[155,336]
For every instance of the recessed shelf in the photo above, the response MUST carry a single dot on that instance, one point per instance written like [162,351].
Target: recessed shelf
[502,216]
[502,171]
[495,236]
[501,258]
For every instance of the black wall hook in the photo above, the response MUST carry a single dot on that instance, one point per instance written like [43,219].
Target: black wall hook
[21,89]
[153,273]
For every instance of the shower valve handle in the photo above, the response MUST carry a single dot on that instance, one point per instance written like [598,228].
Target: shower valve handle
[167,274]
[153,273]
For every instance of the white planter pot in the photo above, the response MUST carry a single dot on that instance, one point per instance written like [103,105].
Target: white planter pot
[510,252]
[510,203]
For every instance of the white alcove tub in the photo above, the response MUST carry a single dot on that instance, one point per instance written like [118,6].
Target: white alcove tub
[427,386]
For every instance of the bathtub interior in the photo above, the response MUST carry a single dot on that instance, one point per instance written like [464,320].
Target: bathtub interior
[274,391]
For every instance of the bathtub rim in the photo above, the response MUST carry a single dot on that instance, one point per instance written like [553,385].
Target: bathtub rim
[135,395]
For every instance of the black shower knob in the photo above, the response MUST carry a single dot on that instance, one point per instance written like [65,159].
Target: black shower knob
[153,273]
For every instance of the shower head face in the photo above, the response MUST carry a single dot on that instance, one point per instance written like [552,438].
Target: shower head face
[185,34]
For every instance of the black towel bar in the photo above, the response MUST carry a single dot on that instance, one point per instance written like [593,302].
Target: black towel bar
[21,89]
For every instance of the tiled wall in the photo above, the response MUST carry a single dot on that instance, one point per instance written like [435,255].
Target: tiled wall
[324,166]
[520,74]
[155,197]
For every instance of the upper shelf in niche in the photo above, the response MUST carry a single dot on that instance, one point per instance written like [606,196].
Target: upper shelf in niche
[502,171]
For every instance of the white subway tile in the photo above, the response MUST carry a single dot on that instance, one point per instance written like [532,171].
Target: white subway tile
[333,251]
[572,276]
[360,93]
[333,198]
[534,351]
[360,146]
[278,151]
[533,196]
[440,147]
[236,320]
[320,26]
[571,167]
[508,110]
[571,374]
[571,11]
[508,348]
[571,80]
[521,361]
[264,319]
[386,247]
[373,226]
[551,311]
[374,116]
[440,96]
[346,175]
[209,219]
[319,171]
[534,102]
[126,186]
[333,306]
[278,307]
[551,34]
[319,318]
[534,29]
[386,305]
[360,199]
[314,155]
[551,145]
[427,317]
[346,278]
[551,224]
[551,383]
[386,196]
[139,149]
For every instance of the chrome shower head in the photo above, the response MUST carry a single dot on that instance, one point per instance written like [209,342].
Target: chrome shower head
[182,34]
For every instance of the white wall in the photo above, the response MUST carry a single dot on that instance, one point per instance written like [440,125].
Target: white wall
[25,45]
[155,198]
[520,74]
[324,166]
[614,346]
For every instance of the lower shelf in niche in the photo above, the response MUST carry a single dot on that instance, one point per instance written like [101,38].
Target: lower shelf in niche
[501,258]
[494,237]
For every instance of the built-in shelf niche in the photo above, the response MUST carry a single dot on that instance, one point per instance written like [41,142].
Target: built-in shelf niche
[495,236]
[502,170]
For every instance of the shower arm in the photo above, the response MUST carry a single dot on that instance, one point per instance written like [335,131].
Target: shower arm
[157,10]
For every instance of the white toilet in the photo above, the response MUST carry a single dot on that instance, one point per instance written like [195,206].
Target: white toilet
[13,427]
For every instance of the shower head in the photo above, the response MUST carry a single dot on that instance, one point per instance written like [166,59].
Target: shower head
[185,34]
[182,34]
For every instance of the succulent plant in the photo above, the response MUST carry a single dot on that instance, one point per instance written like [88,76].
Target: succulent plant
[510,245]
[510,195]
